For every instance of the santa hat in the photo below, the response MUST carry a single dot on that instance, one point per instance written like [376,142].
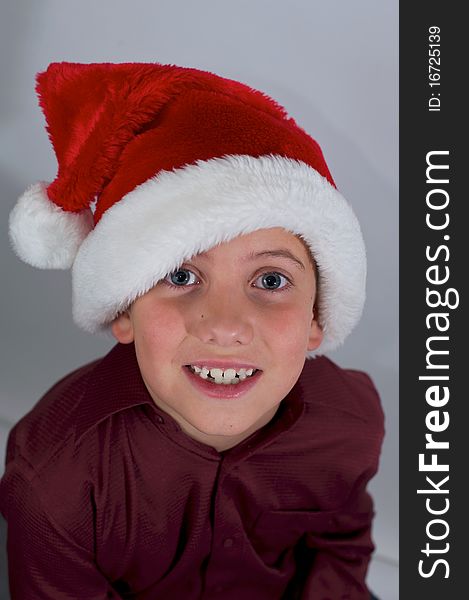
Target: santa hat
[157,163]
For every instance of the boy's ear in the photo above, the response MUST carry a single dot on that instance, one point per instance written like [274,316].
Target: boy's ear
[122,328]
[315,333]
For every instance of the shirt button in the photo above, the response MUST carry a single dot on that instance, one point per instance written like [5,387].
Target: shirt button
[159,419]
[228,543]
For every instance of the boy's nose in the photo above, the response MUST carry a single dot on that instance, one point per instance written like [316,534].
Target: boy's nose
[222,322]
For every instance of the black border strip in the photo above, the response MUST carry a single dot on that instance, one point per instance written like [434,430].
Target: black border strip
[433,272]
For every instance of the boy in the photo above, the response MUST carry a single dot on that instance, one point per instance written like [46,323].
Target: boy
[203,457]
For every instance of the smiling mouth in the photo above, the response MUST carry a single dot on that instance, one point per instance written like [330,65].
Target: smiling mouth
[222,376]
[225,388]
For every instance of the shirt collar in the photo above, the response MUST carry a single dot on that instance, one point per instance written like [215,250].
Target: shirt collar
[115,384]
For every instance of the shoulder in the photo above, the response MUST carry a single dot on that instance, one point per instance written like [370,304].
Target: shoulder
[343,415]
[334,448]
[350,392]
[58,471]
[51,437]
[47,427]
[42,467]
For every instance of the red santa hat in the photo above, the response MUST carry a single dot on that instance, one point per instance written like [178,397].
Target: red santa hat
[157,163]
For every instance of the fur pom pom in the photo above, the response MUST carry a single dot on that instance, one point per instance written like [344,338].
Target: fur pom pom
[44,235]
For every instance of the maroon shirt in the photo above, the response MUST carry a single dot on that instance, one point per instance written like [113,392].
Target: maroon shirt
[105,496]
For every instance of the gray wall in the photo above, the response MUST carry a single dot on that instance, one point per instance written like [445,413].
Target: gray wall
[333,65]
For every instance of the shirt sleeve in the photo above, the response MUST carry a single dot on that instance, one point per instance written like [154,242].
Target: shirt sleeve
[341,553]
[44,561]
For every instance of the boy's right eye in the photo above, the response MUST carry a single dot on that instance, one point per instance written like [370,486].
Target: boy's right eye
[181,278]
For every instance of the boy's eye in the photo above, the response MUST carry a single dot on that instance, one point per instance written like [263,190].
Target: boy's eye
[271,281]
[181,277]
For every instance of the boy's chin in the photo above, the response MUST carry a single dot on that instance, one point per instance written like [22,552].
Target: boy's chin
[235,431]
[224,431]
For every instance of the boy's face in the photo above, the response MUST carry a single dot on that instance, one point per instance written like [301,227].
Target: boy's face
[245,302]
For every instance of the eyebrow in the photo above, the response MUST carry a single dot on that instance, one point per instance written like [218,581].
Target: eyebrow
[278,252]
[281,252]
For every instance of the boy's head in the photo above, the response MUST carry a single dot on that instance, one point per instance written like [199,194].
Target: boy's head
[245,304]
[160,165]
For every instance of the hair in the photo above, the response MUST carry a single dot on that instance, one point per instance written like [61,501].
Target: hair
[313,263]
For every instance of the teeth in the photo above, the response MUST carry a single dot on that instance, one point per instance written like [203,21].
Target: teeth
[228,377]
[229,374]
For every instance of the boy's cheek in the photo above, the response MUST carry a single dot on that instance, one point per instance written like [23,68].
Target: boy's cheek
[292,324]
[299,332]
[159,338]
[151,320]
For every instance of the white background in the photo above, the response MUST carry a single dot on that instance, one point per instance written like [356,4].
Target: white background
[333,65]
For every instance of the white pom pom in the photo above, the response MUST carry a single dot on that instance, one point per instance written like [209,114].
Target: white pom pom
[43,234]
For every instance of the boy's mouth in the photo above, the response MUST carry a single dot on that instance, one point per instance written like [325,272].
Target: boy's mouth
[217,375]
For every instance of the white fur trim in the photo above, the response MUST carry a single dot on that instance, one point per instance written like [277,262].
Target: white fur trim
[177,214]
[43,234]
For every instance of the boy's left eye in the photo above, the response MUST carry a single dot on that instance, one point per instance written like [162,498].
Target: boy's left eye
[271,281]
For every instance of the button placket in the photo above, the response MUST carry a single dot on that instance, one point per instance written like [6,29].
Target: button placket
[227,537]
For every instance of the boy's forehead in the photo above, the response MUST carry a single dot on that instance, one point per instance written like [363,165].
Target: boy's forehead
[261,240]
[275,241]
